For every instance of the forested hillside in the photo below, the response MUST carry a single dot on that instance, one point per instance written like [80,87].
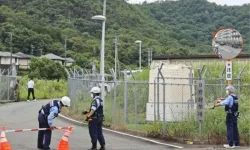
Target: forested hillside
[180,28]
[199,19]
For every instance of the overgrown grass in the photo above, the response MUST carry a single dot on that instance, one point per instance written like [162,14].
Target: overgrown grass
[213,126]
[44,89]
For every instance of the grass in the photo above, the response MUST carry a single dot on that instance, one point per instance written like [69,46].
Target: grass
[44,89]
[213,126]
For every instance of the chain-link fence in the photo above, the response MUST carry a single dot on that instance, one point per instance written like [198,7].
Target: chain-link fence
[7,84]
[166,107]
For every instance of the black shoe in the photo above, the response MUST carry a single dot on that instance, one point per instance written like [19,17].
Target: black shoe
[93,147]
[40,147]
[102,147]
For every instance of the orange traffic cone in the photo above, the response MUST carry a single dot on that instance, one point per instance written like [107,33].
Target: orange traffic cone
[64,142]
[4,144]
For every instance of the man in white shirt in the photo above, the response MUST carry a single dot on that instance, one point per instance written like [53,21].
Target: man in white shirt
[31,85]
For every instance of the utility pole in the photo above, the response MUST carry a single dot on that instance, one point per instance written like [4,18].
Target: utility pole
[11,49]
[116,54]
[139,42]
[149,57]
[41,51]
[32,51]
[65,48]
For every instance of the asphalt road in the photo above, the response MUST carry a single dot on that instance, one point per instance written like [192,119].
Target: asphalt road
[23,115]
[228,51]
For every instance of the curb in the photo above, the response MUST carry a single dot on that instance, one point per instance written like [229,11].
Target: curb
[121,133]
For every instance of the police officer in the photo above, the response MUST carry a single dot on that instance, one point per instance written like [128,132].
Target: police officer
[45,117]
[17,91]
[95,119]
[231,108]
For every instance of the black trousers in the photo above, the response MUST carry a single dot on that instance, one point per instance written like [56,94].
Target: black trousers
[31,90]
[44,136]
[232,130]
[95,131]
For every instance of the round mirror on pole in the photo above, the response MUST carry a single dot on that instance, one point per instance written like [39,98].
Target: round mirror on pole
[227,43]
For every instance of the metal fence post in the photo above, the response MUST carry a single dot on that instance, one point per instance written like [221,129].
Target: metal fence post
[125,97]
[115,86]
[74,93]
[158,93]
[191,91]
[164,104]
[135,101]
[136,107]
[154,100]
[8,85]
[239,81]
[221,81]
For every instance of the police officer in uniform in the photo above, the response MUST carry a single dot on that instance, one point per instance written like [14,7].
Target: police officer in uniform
[45,118]
[95,119]
[17,91]
[231,108]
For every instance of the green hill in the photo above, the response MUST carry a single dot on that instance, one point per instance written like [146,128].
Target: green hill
[194,21]
[180,28]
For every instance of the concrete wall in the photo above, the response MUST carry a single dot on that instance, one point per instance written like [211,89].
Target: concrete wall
[174,92]
[178,92]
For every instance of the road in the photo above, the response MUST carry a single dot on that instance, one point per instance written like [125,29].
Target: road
[228,51]
[23,115]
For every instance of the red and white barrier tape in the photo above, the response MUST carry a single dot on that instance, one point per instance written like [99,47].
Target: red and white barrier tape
[39,129]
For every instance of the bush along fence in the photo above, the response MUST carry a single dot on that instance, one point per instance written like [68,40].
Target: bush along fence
[44,89]
[172,108]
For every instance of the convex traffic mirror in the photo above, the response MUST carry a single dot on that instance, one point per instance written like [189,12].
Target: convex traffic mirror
[227,43]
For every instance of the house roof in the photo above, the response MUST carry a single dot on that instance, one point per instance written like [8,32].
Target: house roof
[22,55]
[53,56]
[194,57]
[70,60]
[7,54]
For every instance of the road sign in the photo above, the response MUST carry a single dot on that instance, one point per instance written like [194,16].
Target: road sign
[229,70]
[200,100]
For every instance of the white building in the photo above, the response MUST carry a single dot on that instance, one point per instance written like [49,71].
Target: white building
[5,58]
[24,60]
[69,61]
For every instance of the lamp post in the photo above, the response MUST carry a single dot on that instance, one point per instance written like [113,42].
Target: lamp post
[139,42]
[103,19]
[65,49]
[11,47]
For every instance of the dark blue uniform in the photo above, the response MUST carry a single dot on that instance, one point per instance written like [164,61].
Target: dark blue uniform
[95,124]
[232,120]
[45,116]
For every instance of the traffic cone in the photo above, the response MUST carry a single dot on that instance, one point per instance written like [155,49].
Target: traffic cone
[64,142]
[4,144]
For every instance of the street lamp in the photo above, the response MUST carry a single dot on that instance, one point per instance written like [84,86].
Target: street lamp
[65,49]
[139,42]
[11,47]
[103,19]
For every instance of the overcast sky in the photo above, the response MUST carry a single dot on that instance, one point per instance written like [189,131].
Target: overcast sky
[220,2]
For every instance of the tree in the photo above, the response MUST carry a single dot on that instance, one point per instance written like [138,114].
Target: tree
[44,68]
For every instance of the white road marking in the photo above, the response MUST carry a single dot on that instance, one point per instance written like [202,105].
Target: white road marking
[122,133]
